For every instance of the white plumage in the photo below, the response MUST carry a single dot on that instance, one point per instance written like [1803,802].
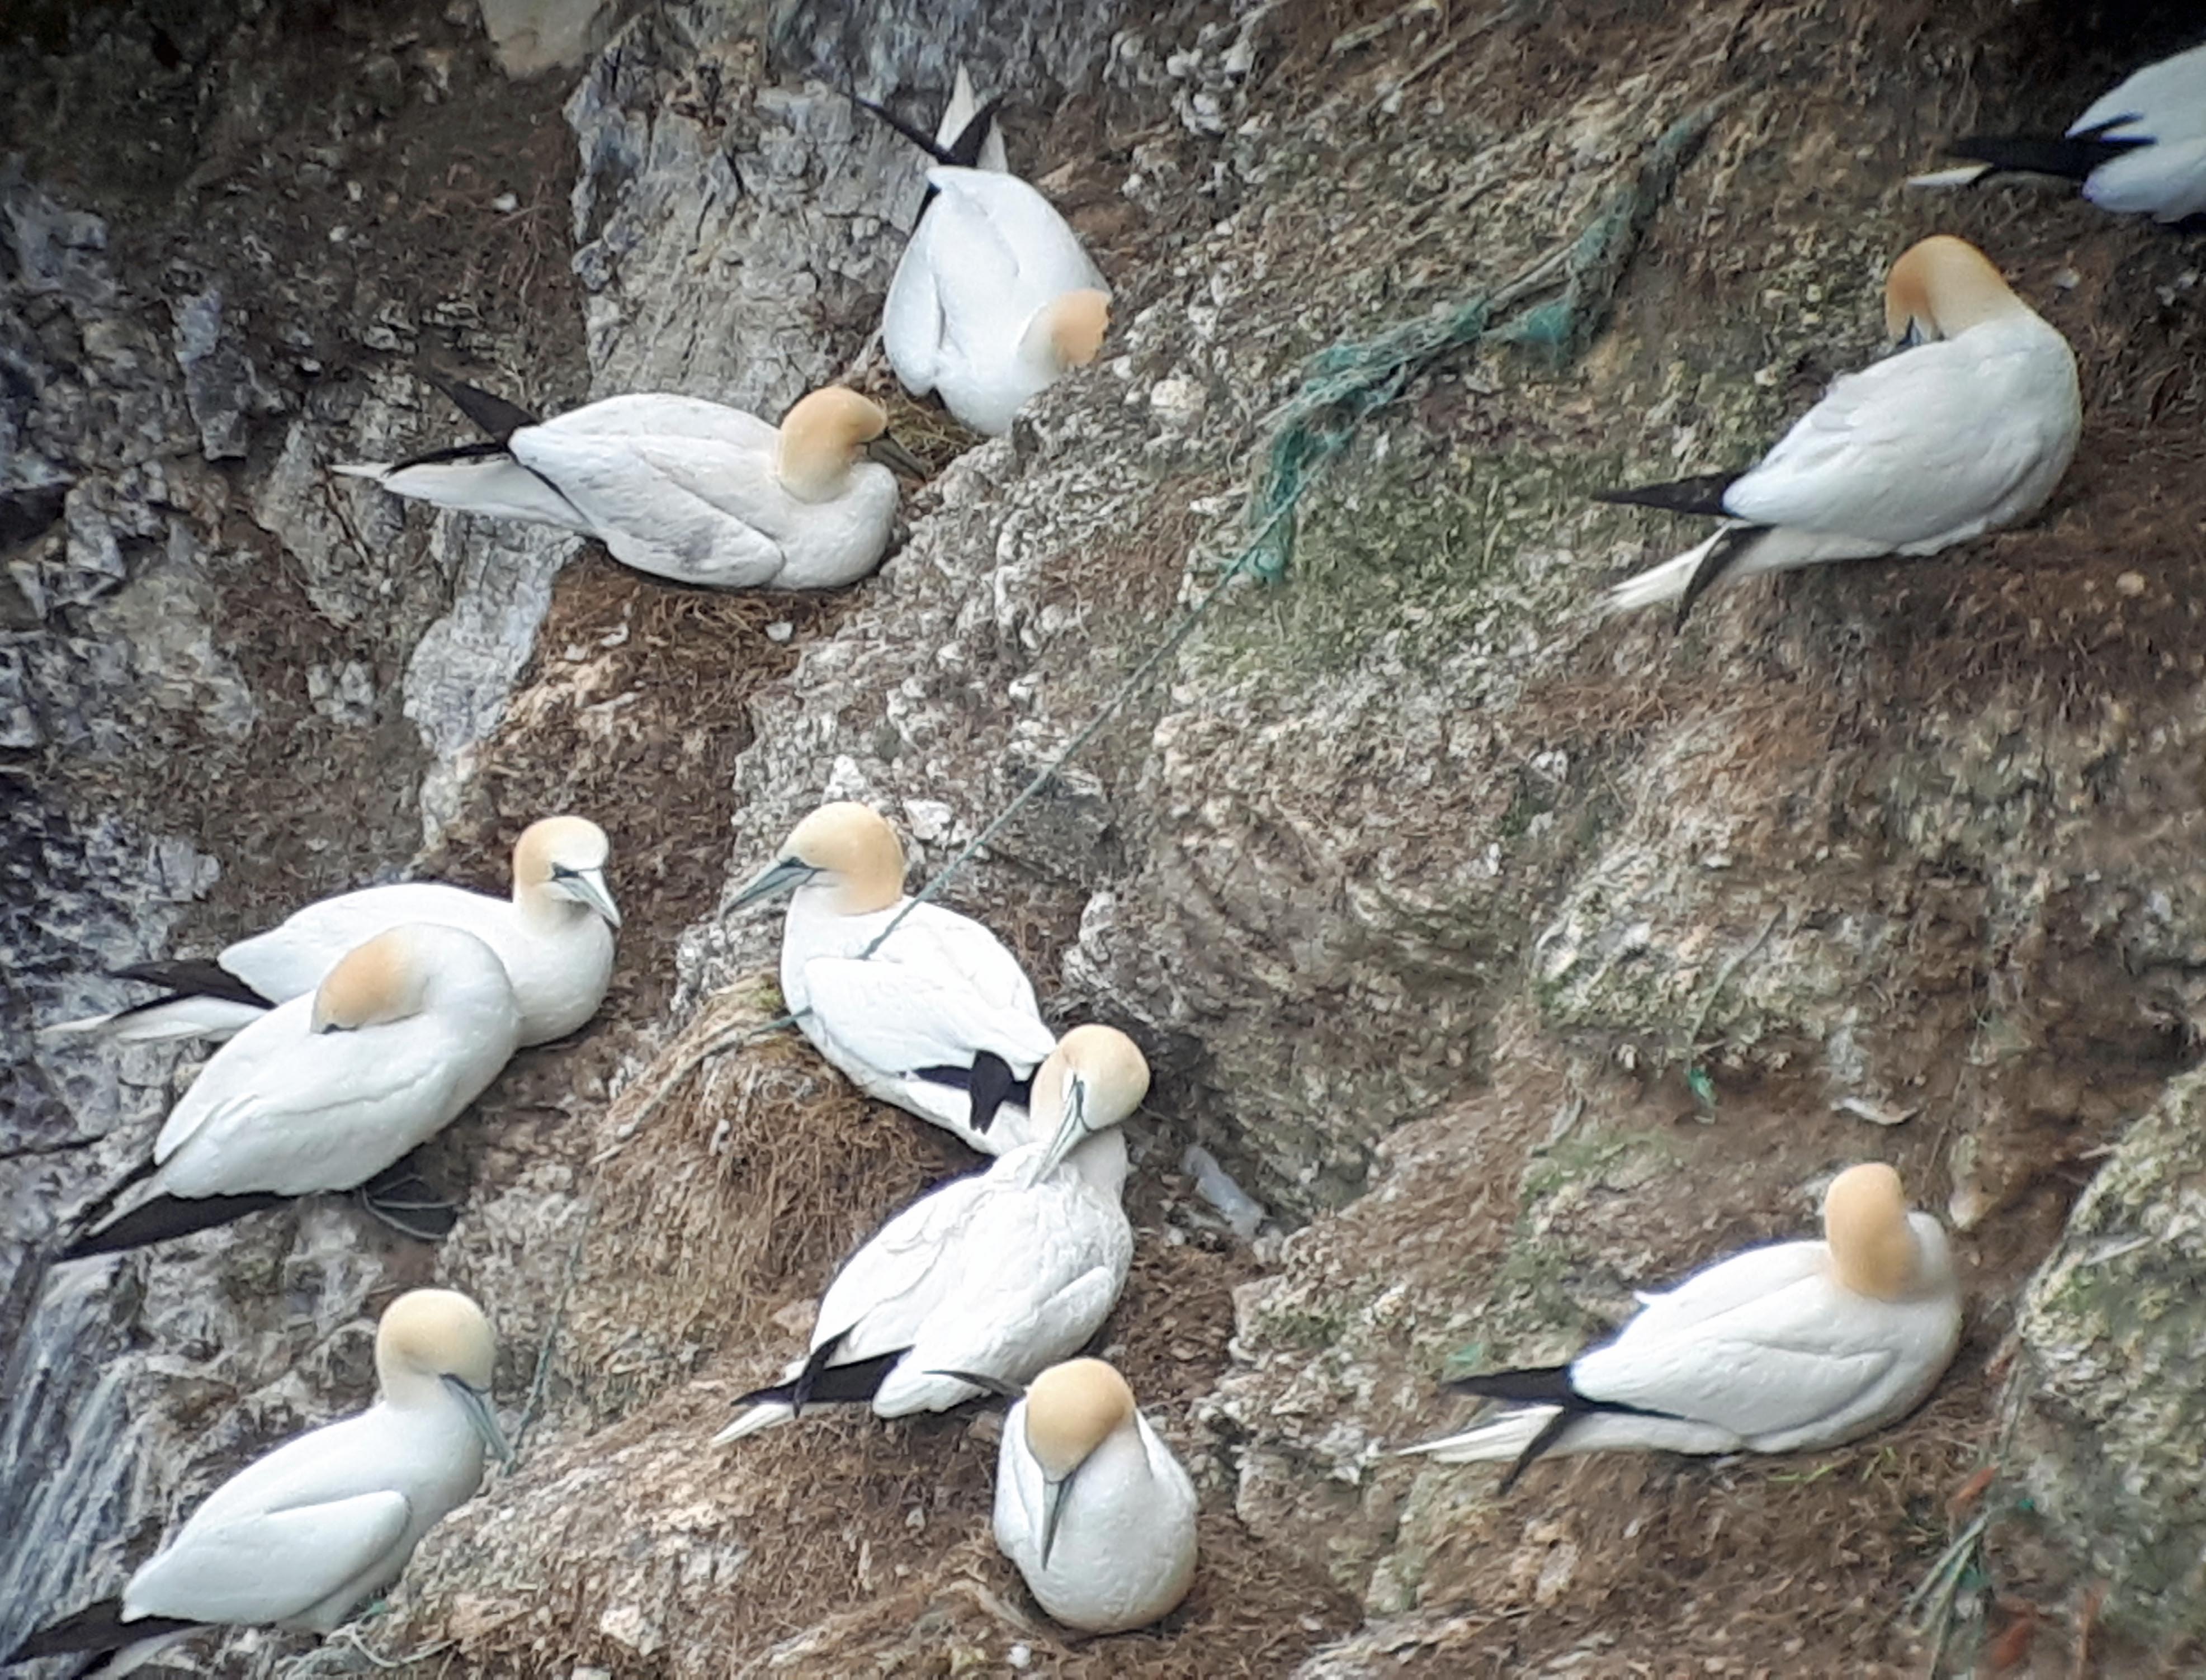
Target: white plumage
[913,1022]
[689,489]
[993,300]
[1794,1346]
[554,935]
[1928,448]
[997,1275]
[300,1537]
[325,1092]
[2139,149]
[1090,1503]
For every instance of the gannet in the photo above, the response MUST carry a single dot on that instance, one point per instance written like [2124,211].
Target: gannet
[2139,150]
[555,936]
[1962,434]
[1781,1348]
[683,488]
[995,1276]
[1091,1505]
[939,1020]
[968,135]
[993,299]
[326,1091]
[297,1539]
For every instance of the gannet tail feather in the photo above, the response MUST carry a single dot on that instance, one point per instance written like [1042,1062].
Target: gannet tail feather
[1700,495]
[2071,157]
[94,1630]
[165,1217]
[473,478]
[1689,575]
[200,999]
[1967,175]
[965,150]
[499,419]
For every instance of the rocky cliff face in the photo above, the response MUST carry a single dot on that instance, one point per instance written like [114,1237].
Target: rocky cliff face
[1511,958]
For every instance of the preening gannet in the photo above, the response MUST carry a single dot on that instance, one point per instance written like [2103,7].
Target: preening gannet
[1962,434]
[325,1092]
[298,1538]
[2140,149]
[1091,1505]
[994,298]
[683,488]
[1781,1348]
[939,1020]
[555,936]
[997,1275]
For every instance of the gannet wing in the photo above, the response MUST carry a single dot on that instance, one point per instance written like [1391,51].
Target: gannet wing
[1023,229]
[293,956]
[2164,101]
[271,1565]
[912,324]
[1009,1333]
[1898,453]
[901,1019]
[642,495]
[885,1291]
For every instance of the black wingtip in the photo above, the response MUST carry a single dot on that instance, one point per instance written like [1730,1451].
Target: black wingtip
[1702,494]
[925,142]
[823,1385]
[2070,156]
[94,1630]
[1725,552]
[499,419]
[1530,1385]
[1551,1432]
[164,1218]
[992,1084]
[191,977]
[964,151]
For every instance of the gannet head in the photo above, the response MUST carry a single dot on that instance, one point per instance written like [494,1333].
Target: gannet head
[822,437]
[845,847]
[1072,1408]
[1874,1246]
[1942,286]
[1095,1078]
[383,981]
[436,1342]
[1072,328]
[563,858]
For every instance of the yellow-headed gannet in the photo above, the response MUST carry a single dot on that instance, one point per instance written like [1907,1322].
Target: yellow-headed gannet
[1781,1348]
[2140,150]
[1091,1505]
[555,936]
[1962,434]
[994,298]
[939,1019]
[326,1091]
[297,1539]
[683,488]
[993,1277]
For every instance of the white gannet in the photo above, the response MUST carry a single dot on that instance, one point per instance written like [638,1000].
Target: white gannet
[995,1276]
[2139,150]
[1951,437]
[994,299]
[940,1019]
[1091,1505]
[297,1539]
[683,488]
[326,1091]
[1781,1348]
[555,936]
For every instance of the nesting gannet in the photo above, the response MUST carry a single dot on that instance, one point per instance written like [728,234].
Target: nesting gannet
[555,936]
[1091,1505]
[997,1275]
[939,1020]
[994,299]
[325,1092]
[2140,149]
[683,488]
[1781,1348]
[297,1539]
[1952,437]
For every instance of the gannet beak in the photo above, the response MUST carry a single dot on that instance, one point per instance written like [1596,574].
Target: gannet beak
[1070,1130]
[890,453]
[784,874]
[476,1404]
[1053,1510]
[587,887]
[1913,335]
